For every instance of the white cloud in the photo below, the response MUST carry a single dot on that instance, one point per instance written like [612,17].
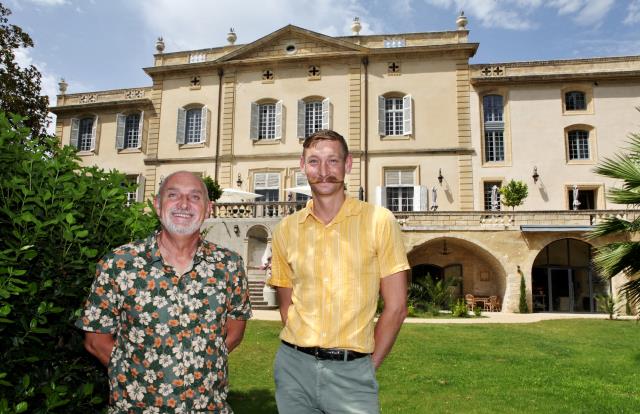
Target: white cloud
[633,13]
[175,21]
[49,2]
[517,14]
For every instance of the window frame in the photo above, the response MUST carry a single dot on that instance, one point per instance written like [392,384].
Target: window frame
[256,132]
[586,89]
[493,129]
[182,138]
[406,114]
[487,184]
[124,131]
[591,142]
[75,138]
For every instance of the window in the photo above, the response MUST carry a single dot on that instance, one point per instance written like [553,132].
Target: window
[399,188]
[267,185]
[83,133]
[266,121]
[575,101]
[493,110]
[394,116]
[192,125]
[586,199]
[313,115]
[491,194]
[301,180]
[129,130]
[138,194]
[578,142]
[400,193]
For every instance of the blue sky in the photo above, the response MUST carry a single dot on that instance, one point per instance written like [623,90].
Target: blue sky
[104,44]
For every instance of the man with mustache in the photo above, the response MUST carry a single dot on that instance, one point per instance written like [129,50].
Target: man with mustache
[330,262]
[164,312]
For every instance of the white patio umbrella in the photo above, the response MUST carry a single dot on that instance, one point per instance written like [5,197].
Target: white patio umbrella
[301,189]
[494,198]
[434,199]
[235,195]
[576,202]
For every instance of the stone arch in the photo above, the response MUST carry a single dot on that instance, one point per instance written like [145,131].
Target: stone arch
[563,278]
[481,273]
[257,239]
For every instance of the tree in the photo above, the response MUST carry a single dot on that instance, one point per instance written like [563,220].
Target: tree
[56,219]
[20,87]
[523,307]
[621,256]
[514,193]
[213,188]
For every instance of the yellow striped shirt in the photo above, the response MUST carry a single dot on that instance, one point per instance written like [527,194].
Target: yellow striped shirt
[335,272]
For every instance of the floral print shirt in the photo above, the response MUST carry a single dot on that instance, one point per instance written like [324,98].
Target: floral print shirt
[170,354]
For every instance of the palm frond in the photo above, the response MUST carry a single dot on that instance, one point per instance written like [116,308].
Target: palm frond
[618,257]
[614,225]
[621,167]
[632,291]
[624,195]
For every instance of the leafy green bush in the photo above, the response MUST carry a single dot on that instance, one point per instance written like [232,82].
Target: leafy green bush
[56,219]
[514,193]
[213,188]
[477,310]
[425,294]
[460,309]
[607,304]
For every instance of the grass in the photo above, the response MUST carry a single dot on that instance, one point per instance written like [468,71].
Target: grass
[563,366]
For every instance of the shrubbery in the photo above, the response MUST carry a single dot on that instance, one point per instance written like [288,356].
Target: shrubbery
[56,219]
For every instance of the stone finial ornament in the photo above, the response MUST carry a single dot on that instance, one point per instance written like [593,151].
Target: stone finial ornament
[231,36]
[356,26]
[62,86]
[160,45]
[462,21]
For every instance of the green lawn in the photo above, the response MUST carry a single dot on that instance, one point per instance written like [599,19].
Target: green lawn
[564,366]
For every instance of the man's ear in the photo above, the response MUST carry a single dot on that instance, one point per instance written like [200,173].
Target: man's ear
[302,162]
[348,163]
[156,205]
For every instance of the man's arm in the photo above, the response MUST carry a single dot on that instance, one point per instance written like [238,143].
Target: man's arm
[284,301]
[393,290]
[99,345]
[235,333]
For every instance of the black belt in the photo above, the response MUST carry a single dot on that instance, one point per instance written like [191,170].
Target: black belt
[328,353]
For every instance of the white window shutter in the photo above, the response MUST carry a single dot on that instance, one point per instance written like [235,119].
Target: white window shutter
[420,198]
[381,116]
[260,180]
[204,124]
[255,121]
[140,189]
[301,118]
[94,135]
[301,179]
[326,113]
[75,132]
[140,130]
[381,196]
[182,125]
[279,120]
[121,120]
[273,180]
[391,178]
[406,115]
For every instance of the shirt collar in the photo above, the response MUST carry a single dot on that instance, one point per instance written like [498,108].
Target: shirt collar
[350,207]
[152,246]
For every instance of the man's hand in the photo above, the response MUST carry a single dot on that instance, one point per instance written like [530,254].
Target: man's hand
[393,290]
[99,345]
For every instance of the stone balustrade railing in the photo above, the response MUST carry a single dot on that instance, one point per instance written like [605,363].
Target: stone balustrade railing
[424,220]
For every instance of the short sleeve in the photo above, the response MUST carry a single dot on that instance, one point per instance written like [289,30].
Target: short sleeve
[281,273]
[239,306]
[392,256]
[101,309]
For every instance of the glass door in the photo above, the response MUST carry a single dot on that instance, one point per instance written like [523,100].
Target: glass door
[560,290]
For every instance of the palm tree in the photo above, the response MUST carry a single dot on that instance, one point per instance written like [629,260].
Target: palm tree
[622,256]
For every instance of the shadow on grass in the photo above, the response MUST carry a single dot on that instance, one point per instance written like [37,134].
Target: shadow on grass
[261,401]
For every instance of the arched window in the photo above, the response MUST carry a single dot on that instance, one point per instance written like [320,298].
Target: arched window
[578,144]
[192,125]
[266,120]
[313,115]
[395,115]
[83,133]
[129,130]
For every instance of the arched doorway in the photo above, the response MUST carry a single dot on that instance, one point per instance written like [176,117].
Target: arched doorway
[564,280]
[257,239]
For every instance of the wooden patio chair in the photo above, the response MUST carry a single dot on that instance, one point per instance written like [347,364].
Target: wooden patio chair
[470,301]
[491,304]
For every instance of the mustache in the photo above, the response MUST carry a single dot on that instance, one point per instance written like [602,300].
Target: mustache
[329,179]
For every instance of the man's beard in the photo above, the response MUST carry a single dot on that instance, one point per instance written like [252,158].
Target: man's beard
[182,229]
